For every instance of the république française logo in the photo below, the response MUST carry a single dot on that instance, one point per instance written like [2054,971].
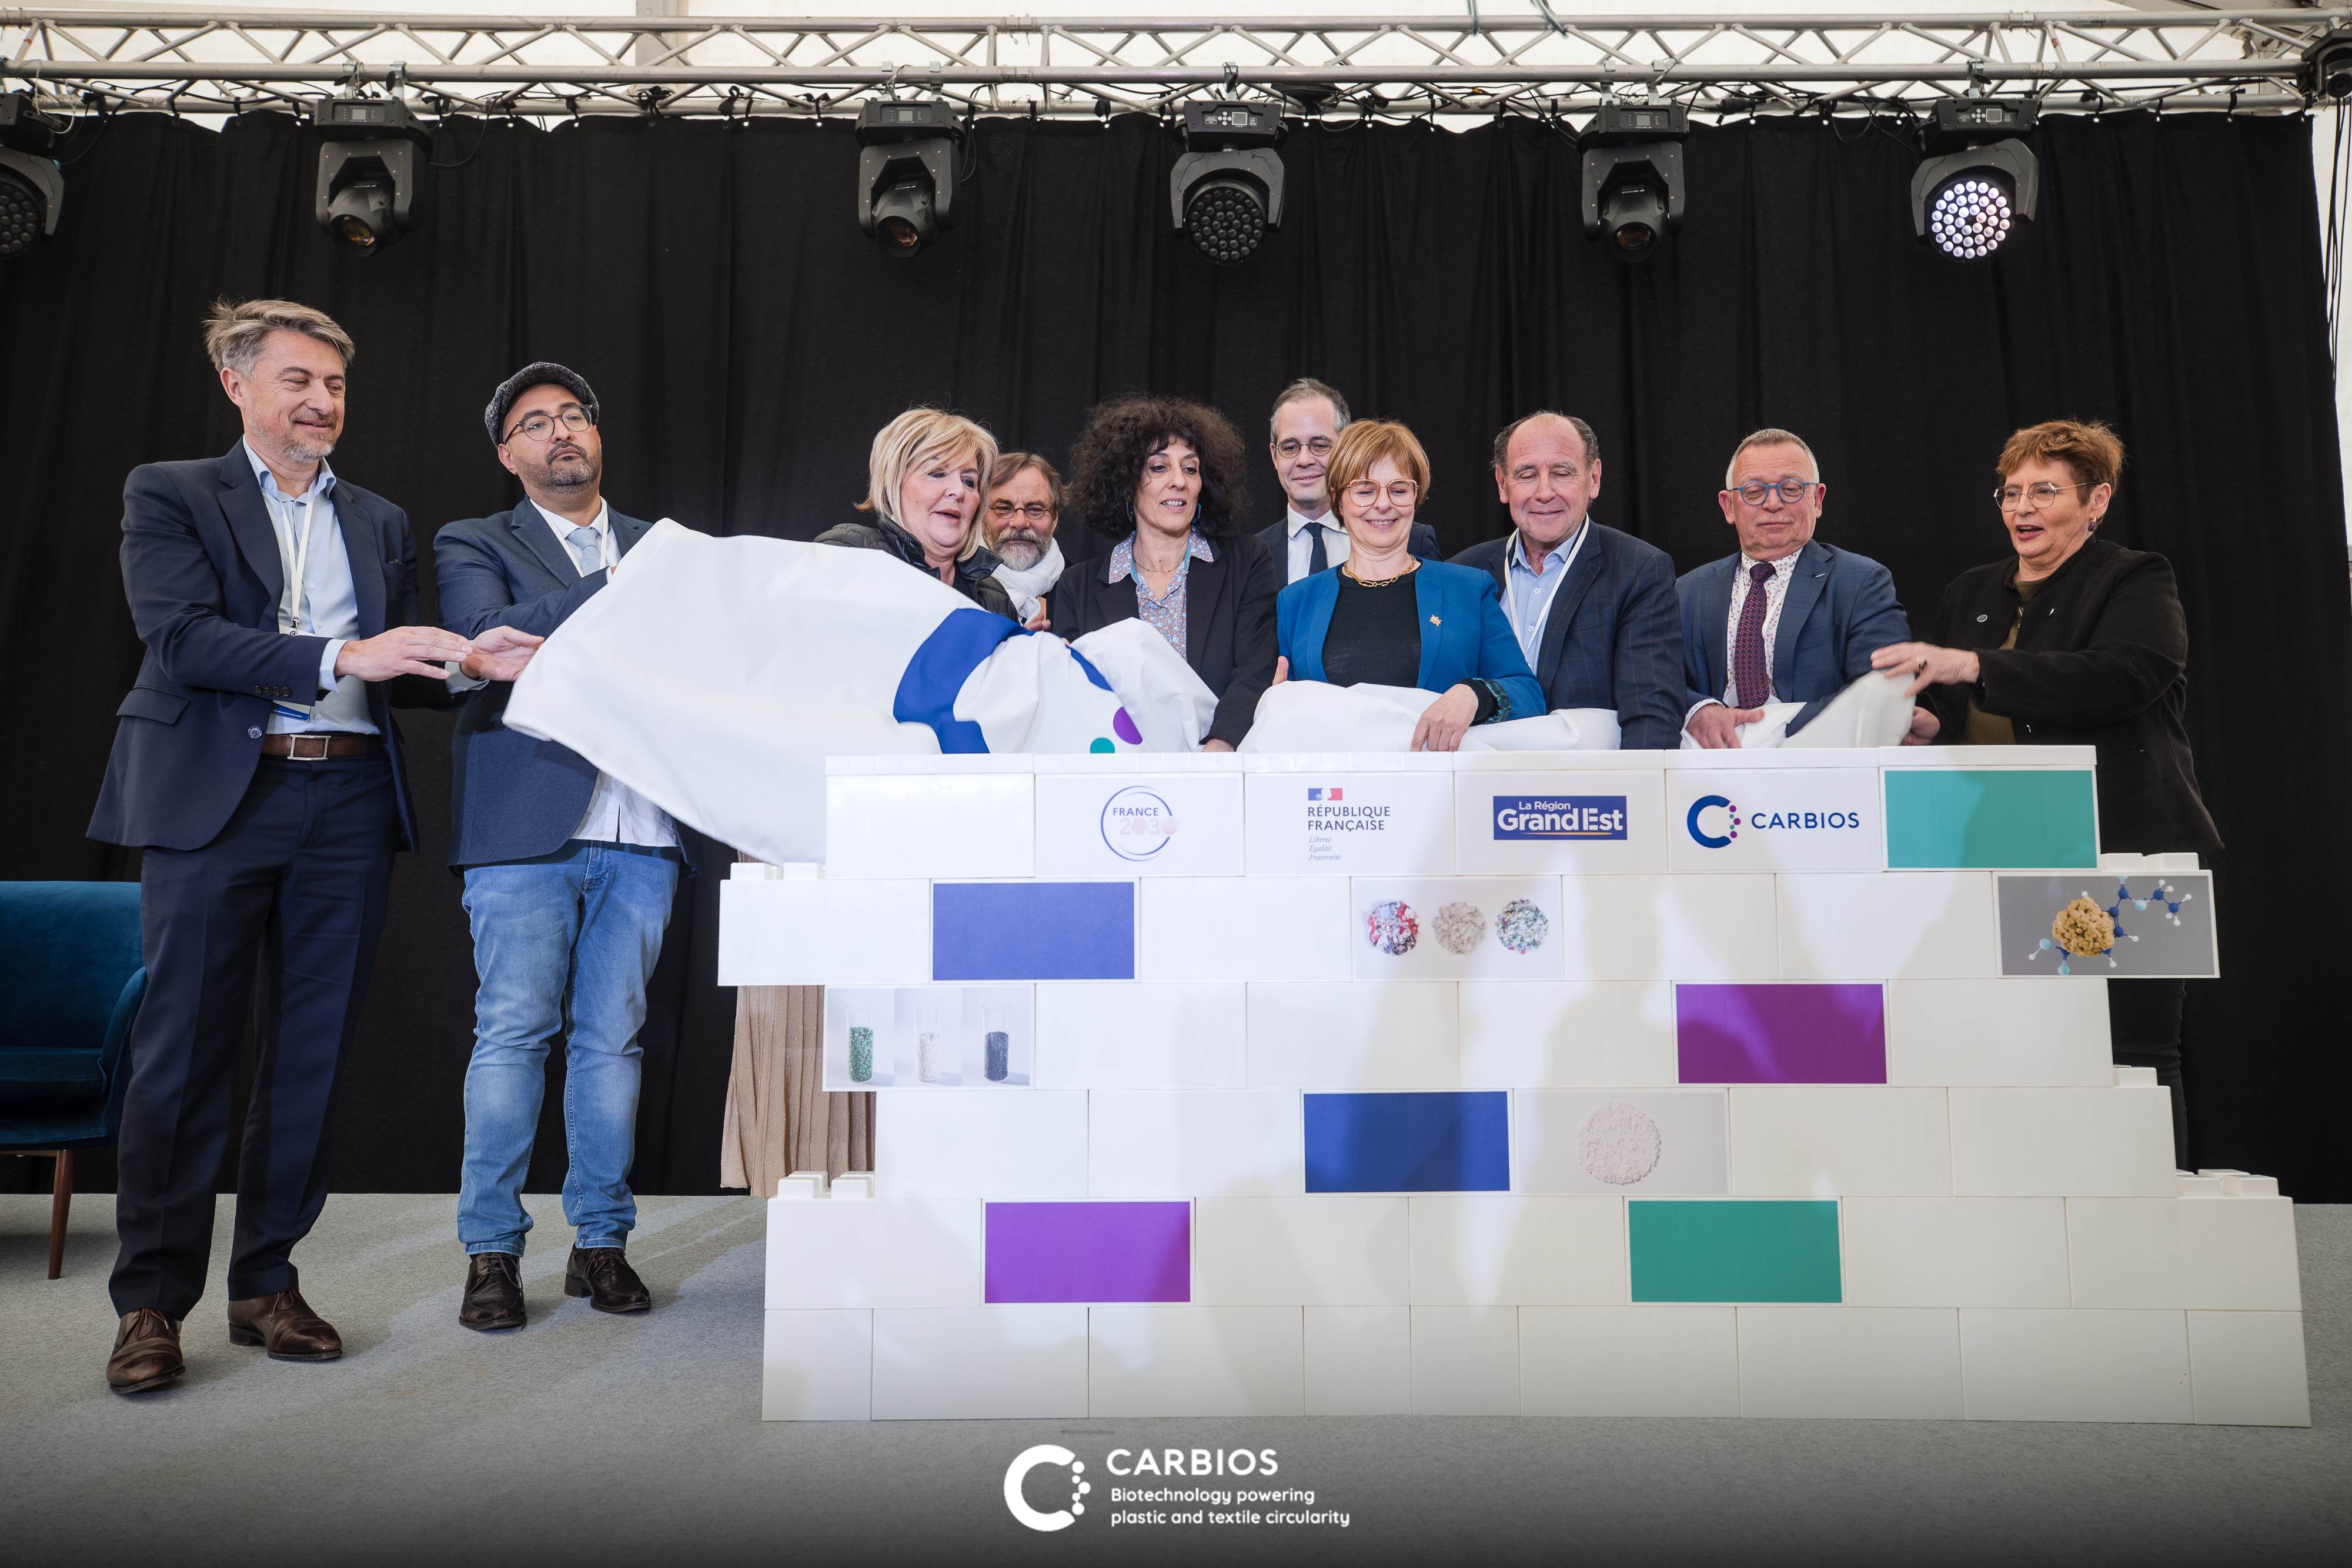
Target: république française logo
[1704,831]
[1136,824]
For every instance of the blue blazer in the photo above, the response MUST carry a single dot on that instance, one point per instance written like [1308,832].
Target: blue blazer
[1462,633]
[1840,608]
[1608,641]
[1275,537]
[514,798]
[201,568]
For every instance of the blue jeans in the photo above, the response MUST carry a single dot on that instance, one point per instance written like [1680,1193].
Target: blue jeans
[563,943]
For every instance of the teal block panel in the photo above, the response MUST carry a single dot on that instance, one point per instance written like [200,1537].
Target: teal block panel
[1769,1250]
[1970,818]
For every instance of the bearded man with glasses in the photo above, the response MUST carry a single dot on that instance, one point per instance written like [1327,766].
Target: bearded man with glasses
[1787,618]
[1024,509]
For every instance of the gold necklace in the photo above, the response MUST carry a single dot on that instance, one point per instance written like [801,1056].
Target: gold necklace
[1349,568]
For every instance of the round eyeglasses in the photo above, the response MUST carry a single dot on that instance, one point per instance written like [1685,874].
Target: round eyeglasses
[1365,493]
[2009,497]
[540,427]
[1034,511]
[1791,491]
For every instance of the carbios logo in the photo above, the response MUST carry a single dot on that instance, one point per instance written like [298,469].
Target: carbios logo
[1714,821]
[1136,824]
[1559,817]
[1018,1471]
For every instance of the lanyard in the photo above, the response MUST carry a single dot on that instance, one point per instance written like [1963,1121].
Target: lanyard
[1511,600]
[290,609]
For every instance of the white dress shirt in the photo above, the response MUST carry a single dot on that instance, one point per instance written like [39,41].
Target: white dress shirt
[1302,542]
[318,601]
[1776,594]
[1528,606]
[617,814]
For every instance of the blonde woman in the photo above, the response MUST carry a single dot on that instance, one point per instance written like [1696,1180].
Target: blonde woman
[925,482]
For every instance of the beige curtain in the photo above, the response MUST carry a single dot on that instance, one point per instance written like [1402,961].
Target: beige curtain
[779,1117]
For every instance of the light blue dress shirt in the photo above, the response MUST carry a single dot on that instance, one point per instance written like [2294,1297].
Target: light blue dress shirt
[1533,588]
[321,604]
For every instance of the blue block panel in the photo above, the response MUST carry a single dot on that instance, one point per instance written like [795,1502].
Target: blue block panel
[1033,931]
[1409,1142]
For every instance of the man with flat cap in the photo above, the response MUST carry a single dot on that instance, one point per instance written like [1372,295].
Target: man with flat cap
[569,874]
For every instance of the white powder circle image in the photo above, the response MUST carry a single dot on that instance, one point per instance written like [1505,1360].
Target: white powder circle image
[1459,927]
[1391,928]
[1618,1144]
[1521,926]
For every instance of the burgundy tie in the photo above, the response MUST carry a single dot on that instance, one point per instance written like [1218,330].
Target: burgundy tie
[1748,676]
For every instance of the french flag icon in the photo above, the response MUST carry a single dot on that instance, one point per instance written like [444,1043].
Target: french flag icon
[1325,794]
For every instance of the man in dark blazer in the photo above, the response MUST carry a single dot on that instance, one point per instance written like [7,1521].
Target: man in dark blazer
[1594,608]
[257,766]
[1307,419]
[569,874]
[1787,618]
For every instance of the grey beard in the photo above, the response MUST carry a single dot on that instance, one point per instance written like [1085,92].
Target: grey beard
[577,478]
[1020,550]
[302,454]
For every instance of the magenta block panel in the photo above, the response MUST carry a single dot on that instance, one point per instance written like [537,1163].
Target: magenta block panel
[1089,1252]
[1780,1034]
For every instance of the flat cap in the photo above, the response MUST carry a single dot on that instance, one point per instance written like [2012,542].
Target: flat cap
[545,373]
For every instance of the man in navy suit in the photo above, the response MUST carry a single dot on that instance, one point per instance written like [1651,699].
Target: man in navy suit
[257,766]
[1593,607]
[1307,419]
[570,873]
[1788,619]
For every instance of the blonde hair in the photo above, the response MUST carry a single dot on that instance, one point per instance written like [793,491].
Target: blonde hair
[1365,443]
[918,436]
[233,333]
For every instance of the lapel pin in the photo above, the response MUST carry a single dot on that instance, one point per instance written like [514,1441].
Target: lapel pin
[1434,621]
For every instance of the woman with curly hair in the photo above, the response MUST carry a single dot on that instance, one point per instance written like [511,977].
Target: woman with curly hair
[926,478]
[1167,479]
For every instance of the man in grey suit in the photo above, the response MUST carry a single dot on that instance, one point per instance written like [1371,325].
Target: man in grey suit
[569,874]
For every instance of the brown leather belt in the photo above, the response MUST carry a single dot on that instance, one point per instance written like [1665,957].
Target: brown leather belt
[318,746]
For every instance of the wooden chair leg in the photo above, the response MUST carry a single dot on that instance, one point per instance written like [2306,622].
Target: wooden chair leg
[60,1206]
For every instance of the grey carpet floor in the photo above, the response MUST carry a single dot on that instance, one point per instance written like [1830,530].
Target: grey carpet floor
[637,1440]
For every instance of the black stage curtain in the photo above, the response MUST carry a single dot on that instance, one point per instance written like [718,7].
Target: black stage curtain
[746,340]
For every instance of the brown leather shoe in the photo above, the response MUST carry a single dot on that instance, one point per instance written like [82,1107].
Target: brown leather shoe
[146,1353]
[604,1276]
[493,1292]
[286,1324]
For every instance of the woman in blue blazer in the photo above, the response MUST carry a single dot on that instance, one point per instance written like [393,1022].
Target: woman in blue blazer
[1384,618]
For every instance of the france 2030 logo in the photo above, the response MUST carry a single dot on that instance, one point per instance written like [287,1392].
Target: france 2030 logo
[1136,824]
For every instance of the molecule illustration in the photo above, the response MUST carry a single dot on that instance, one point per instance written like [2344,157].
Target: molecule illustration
[2084,930]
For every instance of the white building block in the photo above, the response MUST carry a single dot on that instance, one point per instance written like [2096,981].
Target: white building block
[1396,821]
[2246,1369]
[1685,927]
[1479,904]
[852,1187]
[2238,1185]
[1956,1252]
[1913,924]
[2075,1365]
[1825,1140]
[1241,928]
[940,825]
[824,932]
[1328,1249]
[1003,1363]
[803,1184]
[1868,1363]
[2064,1143]
[1364,1035]
[1573,1034]
[2208,1253]
[1578,819]
[1003,1146]
[1998,1033]
[1466,1360]
[1629,1360]
[1140,1034]
[886,1252]
[817,1365]
[1481,1250]
[1774,810]
[1692,1146]
[1194,1361]
[1208,1143]
[1118,824]
[1359,1361]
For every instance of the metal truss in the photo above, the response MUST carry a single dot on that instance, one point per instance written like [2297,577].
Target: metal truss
[1540,62]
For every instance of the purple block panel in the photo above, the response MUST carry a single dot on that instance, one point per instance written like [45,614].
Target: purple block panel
[1089,1252]
[1780,1034]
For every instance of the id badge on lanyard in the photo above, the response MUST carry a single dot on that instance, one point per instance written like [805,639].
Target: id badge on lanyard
[290,614]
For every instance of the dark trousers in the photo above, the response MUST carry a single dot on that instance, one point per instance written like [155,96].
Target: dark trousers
[297,880]
[2144,1023]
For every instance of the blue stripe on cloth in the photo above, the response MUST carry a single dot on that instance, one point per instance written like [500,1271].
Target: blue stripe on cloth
[935,674]
[1033,931]
[1443,1142]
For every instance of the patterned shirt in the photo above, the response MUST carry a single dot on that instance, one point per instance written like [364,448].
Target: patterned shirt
[1776,594]
[1165,613]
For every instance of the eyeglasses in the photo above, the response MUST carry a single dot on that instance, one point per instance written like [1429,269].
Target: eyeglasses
[2009,497]
[1791,491]
[539,427]
[1036,511]
[1320,446]
[1365,493]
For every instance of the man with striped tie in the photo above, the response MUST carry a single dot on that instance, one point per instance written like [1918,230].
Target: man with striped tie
[569,874]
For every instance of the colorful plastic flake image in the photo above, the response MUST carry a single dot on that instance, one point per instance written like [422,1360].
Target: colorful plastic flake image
[2083,930]
[1521,926]
[1392,927]
[1459,927]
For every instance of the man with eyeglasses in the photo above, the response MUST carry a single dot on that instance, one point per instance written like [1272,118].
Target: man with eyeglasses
[1025,507]
[569,874]
[1307,419]
[1787,618]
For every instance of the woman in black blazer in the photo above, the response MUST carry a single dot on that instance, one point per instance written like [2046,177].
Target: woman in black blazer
[1166,479]
[2074,639]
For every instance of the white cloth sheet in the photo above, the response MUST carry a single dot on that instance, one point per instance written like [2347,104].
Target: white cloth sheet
[1314,716]
[1871,712]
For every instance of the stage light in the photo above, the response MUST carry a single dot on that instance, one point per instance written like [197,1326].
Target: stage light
[367,171]
[907,172]
[1971,200]
[1225,190]
[31,188]
[1633,176]
[2328,65]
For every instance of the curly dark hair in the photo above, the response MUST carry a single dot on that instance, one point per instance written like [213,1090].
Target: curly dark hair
[1108,461]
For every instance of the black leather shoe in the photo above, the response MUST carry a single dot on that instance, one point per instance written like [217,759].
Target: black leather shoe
[146,1353]
[604,1276]
[493,1292]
